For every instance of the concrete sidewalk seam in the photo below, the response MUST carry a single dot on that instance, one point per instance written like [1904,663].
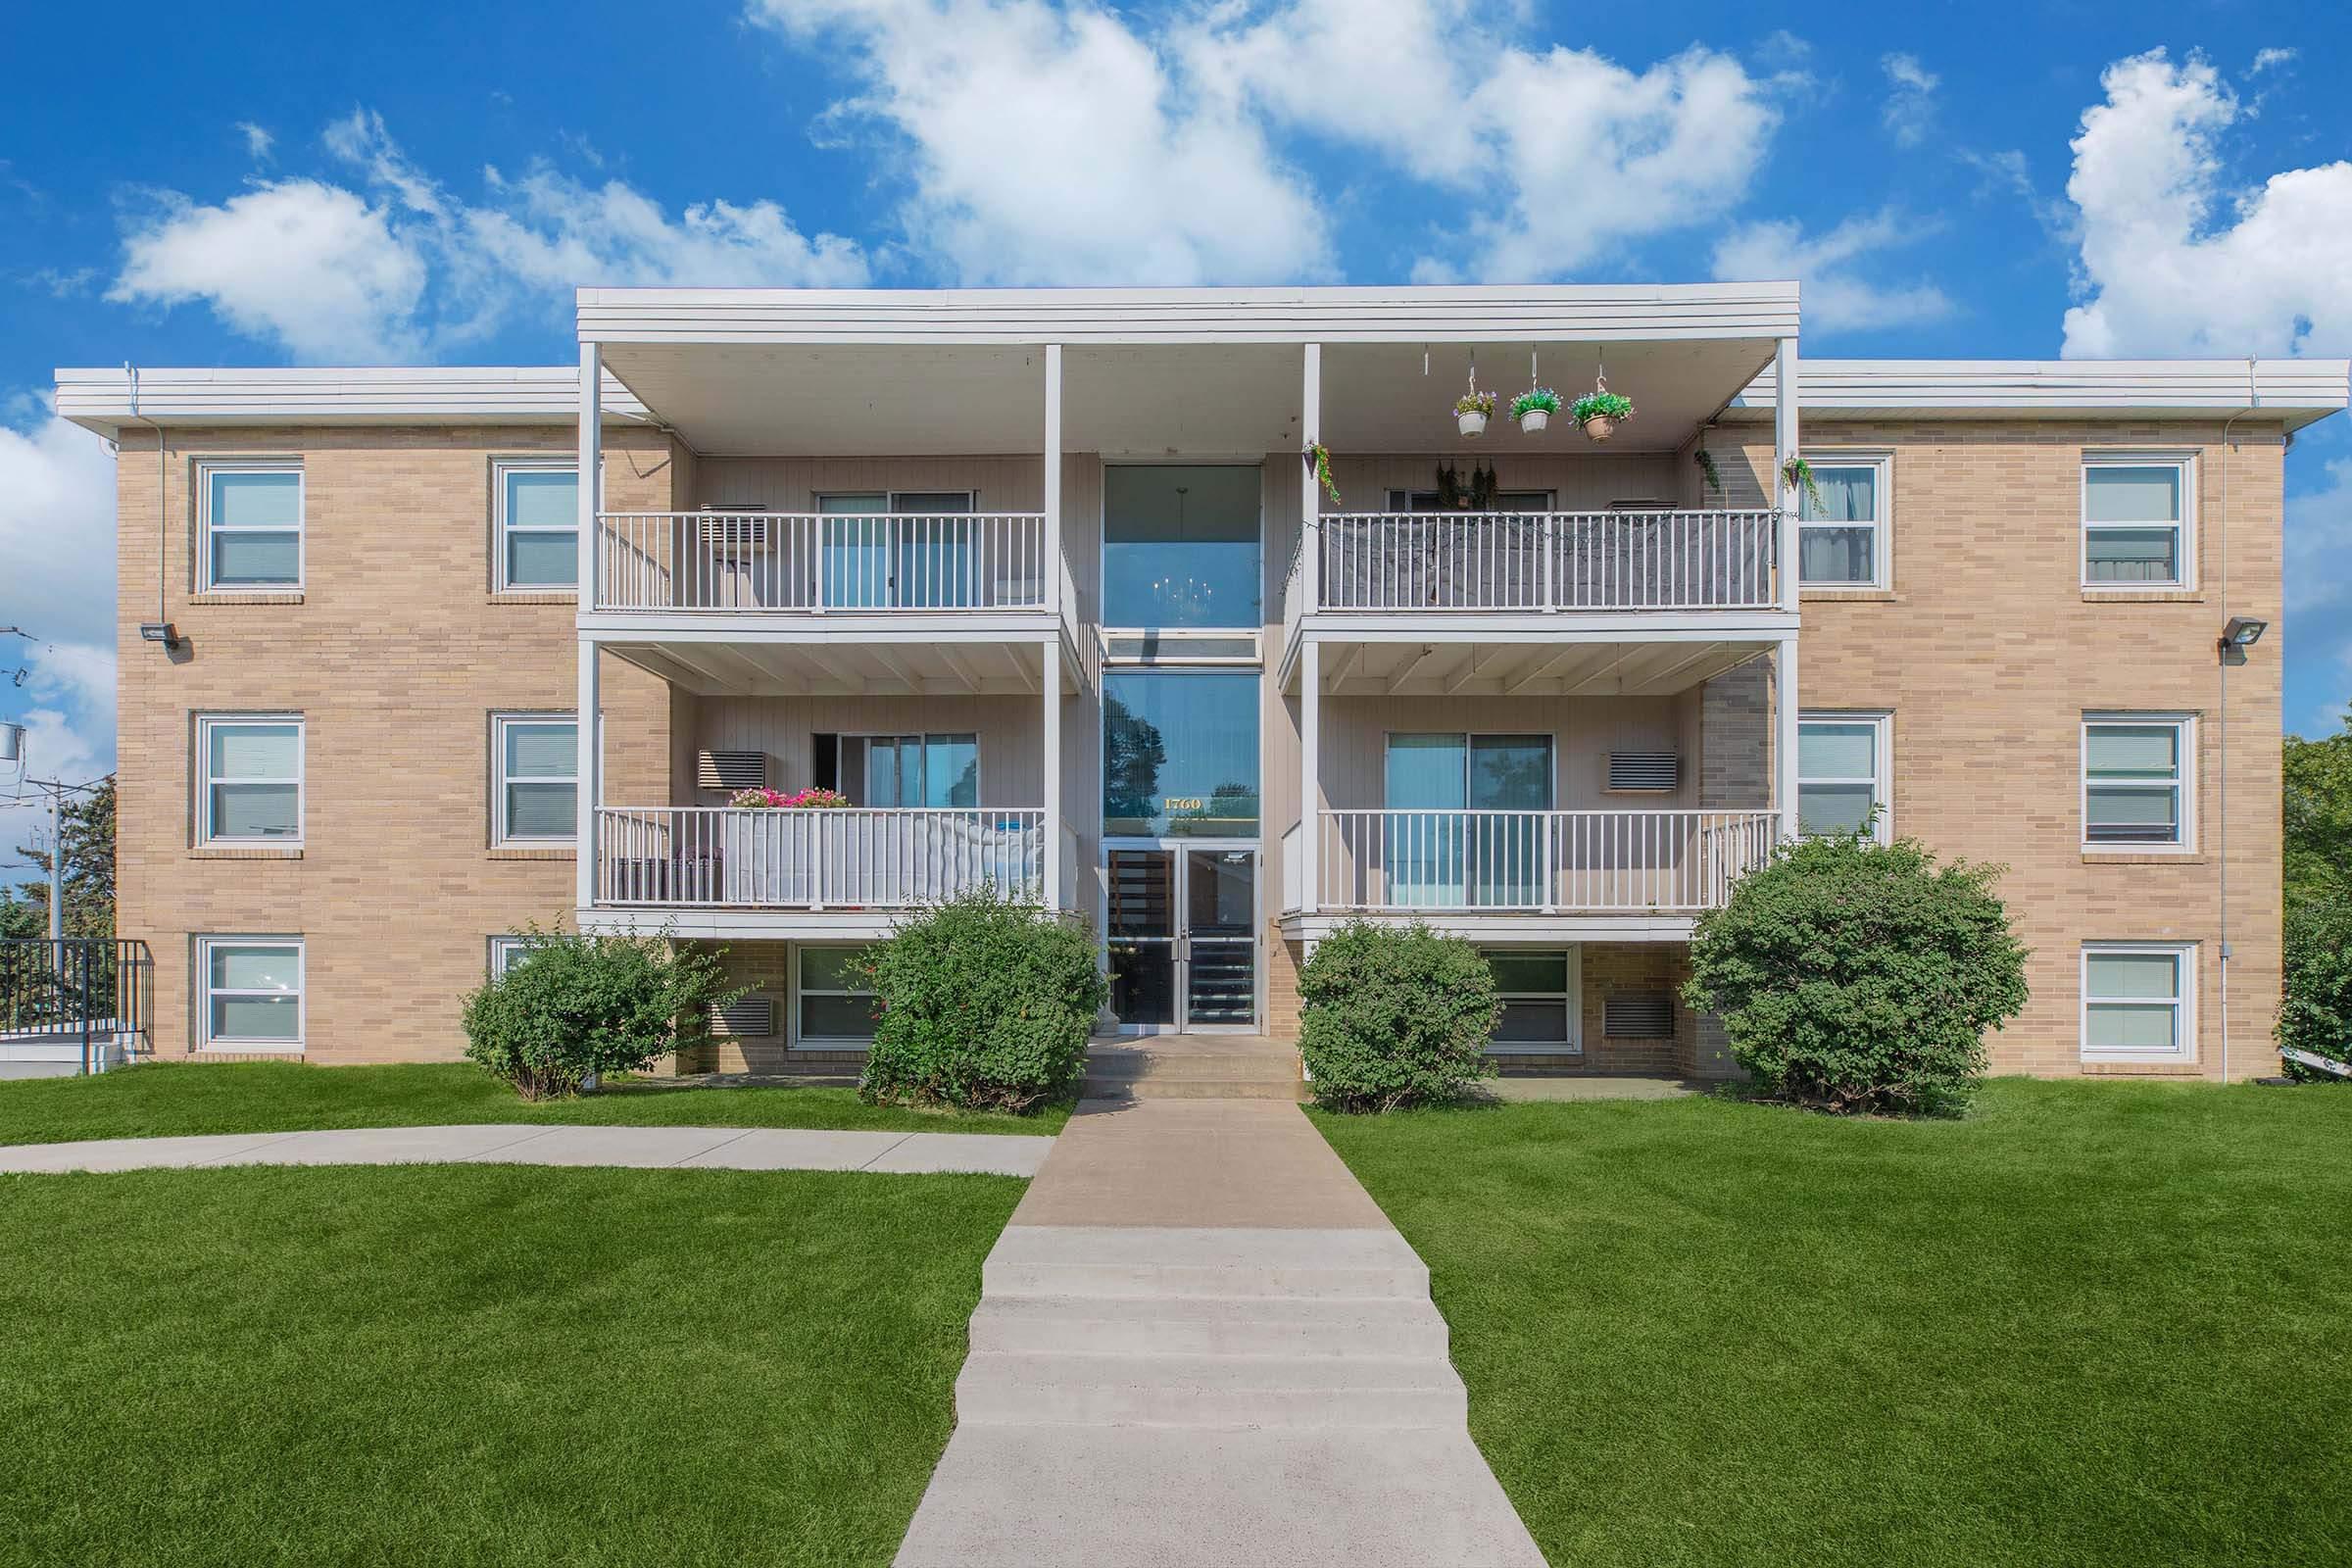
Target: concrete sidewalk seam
[885,1150]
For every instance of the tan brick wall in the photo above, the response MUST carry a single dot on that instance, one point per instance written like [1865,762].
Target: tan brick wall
[1989,653]
[395,653]
[1634,968]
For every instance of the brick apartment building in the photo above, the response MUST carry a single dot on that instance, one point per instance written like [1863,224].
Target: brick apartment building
[1039,581]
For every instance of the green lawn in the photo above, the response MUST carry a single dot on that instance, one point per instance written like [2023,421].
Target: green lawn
[268,1097]
[452,1366]
[2092,1323]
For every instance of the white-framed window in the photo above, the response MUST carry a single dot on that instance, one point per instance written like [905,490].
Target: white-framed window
[248,993]
[2135,780]
[1843,773]
[535,758]
[1539,990]
[249,525]
[1843,535]
[505,953]
[2137,515]
[536,503]
[2140,1001]
[249,779]
[836,1000]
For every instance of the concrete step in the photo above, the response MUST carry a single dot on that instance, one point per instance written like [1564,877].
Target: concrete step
[1218,1064]
[1356,1394]
[1125,1262]
[1092,1088]
[1210,1325]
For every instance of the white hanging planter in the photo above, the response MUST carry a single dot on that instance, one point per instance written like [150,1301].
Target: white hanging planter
[1533,420]
[1470,422]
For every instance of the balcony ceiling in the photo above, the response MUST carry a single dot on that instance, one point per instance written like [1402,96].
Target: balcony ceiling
[878,662]
[1226,399]
[1526,668]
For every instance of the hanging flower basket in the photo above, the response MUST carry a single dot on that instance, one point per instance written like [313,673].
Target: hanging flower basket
[1472,410]
[1600,413]
[1534,409]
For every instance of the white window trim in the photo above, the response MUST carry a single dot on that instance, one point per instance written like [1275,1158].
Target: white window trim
[1881,526]
[1882,753]
[206,723]
[500,467]
[797,1040]
[2185,758]
[205,993]
[500,948]
[2185,577]
[206,468]
[2186,1004]
[1574,1045]
[499,836]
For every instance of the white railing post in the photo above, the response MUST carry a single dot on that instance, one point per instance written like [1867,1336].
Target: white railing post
[1310,500]
[1050,651]
[591,473]
[1785,712]
[1048,570]
[1786,439]
[1310,749]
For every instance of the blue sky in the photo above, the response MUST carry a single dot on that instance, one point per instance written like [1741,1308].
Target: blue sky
[292,184]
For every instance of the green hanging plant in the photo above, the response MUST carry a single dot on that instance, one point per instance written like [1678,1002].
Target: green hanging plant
[1797,474]
[1707,465]
[1319,463]
[1610,405]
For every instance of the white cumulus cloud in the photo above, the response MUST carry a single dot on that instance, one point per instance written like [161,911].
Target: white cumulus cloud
[1910,105]
[2174,259]
[1830,270]
[384,262]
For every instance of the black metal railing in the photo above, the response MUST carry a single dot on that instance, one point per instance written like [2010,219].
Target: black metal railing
[97,993]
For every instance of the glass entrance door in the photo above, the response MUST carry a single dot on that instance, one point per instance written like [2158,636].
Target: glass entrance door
[1183,938]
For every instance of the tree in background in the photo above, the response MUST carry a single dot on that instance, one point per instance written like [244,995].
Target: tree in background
[2316,1014]
[87,827]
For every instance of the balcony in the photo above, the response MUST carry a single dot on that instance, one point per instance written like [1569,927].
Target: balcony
[1438,863]
[854,868]
[761,564]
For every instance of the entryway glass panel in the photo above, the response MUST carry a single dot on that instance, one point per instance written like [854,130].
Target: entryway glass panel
[1220,905]
[1180,545]
[1142,931]
[1183,937]
[1179,753]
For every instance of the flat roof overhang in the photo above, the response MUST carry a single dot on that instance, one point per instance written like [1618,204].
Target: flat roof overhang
[1528,656]
[895,654]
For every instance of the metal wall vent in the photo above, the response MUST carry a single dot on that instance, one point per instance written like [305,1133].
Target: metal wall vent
[751,1017]
[1643,1015]
[731,770]
[1656,771]
[726,530]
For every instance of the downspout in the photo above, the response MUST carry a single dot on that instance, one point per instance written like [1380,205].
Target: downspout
[163,491]
[2221,719]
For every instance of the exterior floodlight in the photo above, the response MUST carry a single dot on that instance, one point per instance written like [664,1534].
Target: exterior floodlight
[159,631]
[12,743]
[2242,632]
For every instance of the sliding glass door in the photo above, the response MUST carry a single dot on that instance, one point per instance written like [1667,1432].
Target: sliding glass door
[1464,828]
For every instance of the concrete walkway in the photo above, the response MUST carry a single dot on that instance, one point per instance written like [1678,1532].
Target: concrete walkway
[499,1143]
[1201,1342]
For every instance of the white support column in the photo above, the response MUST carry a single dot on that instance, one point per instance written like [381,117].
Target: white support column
[1051,649]
[590,783]
[1310,501]
[1784,438]
[1784,738]
[1787,699]
[1053,562]
[1310,762]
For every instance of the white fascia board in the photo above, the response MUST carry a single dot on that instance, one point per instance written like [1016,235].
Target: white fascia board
[106,400]
[1553,313]
[2294,391]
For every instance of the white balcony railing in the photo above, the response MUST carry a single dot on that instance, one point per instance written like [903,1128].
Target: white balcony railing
[715,858]
[1538,862]
[1509,561]
[759,563]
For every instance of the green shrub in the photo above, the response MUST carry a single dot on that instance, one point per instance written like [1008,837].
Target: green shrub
[1856,976]
[577,1006]
[2316,1013]
[984,1005]
[1394,1015]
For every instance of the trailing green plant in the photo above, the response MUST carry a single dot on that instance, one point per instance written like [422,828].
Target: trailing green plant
[983,1004]
[1394,1016]
[1536,399]
[1612,405]
[1797,474]
[578,1007]
[2314,1016]
[1858,976]
[1707,465]
[1475,403]
[1319,463]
